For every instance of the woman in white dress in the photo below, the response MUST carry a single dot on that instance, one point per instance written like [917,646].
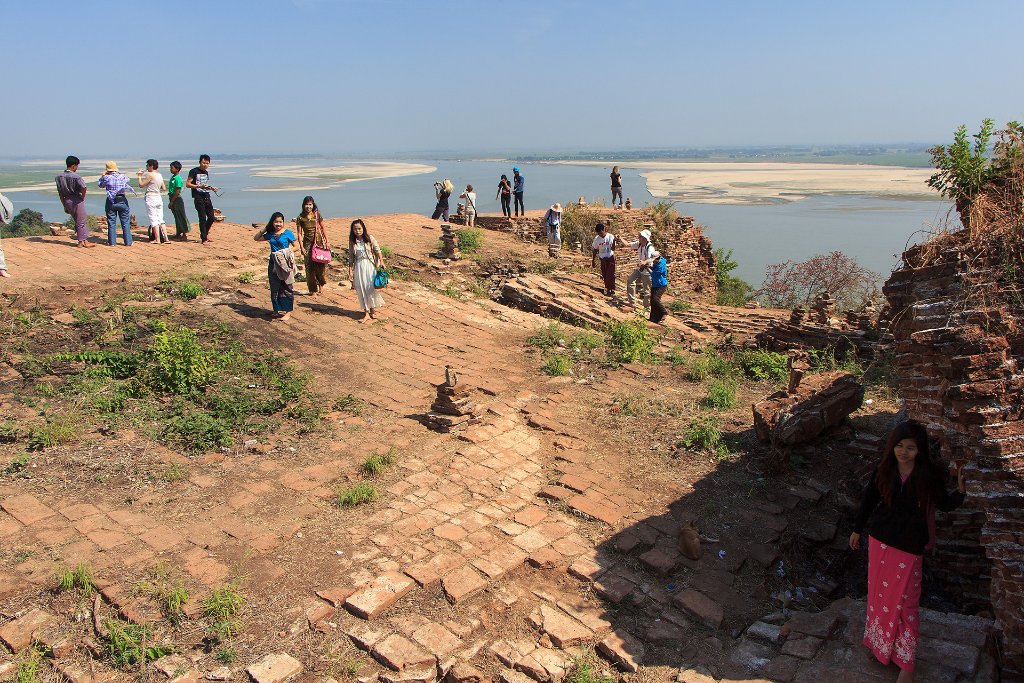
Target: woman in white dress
[364,258]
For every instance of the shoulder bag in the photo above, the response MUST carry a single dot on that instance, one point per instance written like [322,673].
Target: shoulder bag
[317,253]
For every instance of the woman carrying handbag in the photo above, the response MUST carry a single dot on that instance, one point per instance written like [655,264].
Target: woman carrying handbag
[316,252]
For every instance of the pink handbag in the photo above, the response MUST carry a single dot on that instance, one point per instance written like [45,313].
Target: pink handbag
[318,254]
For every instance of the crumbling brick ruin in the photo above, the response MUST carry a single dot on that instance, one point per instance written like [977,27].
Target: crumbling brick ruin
[957,321]
[822,328]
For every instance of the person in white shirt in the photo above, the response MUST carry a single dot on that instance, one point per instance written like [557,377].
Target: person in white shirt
[604,249]
[470,198]
[153,182]
[553,222]
[642,273]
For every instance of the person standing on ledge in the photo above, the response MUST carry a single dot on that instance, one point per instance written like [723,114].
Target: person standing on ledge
[505,194]
[153,181]
[553,224]
[659,283]
[116,183]
[71,189]
[442,190]
[603,247]
[176,202]
[898,508]
[518,185]
[199,182]
[616,186]
[6,216]
[470,198]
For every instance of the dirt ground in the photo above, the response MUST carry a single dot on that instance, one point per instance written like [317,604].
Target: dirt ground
[555,472]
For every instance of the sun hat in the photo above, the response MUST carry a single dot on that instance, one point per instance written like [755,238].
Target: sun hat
[6,209]
[646,234]
[111,166]
[556,207]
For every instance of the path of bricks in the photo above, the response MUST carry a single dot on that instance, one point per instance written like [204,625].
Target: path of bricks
[498,553]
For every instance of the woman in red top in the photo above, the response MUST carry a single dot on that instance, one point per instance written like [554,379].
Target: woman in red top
[899,510]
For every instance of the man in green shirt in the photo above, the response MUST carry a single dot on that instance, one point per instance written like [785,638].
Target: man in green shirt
[174,186]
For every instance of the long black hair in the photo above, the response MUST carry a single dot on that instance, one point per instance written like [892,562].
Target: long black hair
[925,473]
[309,198]
[270,224]
[352,233]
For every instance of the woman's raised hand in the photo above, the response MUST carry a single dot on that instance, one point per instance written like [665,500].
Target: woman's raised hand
[855,541]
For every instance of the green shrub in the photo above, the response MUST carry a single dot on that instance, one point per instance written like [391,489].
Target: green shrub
[762,365]
[80,578]
[357,494]
[578,224]
[707,364]
[558,365]
[246,277]
[679,306]
[470,240]
[350,404]
[27,222]
[378,462]
[197,431]
[30,666]
[56,431]
[547,337]
[9,432]
[226,655]
[721,395]
[732,291]
[131,644]
[177,363]
[631,341]
[190,291]
[704,434]
[386,251]
[585,669]
[223,603]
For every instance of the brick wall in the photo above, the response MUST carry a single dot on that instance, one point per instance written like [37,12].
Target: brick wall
[958,335]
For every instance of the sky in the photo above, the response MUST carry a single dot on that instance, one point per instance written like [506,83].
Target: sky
[394,77]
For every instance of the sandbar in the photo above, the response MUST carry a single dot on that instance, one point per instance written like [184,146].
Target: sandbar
[326,177]
[775,182]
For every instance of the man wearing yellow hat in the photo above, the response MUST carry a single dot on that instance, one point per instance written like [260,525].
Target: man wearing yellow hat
[117,184]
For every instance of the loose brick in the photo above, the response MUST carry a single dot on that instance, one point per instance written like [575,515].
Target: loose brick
[20,633]
[700,607]
[563,630]
[586,569]
[623,650]
[337,595]
[432,569]
[384,591]
[399,653]
[437,639]
[603,511]
[275,668]
[461,583]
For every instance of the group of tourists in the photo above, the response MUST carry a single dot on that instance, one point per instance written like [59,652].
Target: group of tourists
[366,261]
[71,188]
[649,279]
[507,189]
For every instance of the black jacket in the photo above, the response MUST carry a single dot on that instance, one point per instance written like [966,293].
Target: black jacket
[904,524]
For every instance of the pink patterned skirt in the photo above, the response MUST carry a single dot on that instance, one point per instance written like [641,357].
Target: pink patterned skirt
[894,596]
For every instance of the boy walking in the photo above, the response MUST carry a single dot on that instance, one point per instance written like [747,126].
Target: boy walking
[176,202]
[199,182]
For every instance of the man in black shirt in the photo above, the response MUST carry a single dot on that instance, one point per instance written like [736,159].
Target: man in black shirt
[199,182]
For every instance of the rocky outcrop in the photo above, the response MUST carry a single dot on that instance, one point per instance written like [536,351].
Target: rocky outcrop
[821,401]
[958,328]
[821,328]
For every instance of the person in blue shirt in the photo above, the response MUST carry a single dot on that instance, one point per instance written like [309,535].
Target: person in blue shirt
[281,267]
[518,183]
[659,283]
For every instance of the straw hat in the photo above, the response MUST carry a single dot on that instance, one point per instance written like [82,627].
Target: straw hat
[111,166]
[556,207]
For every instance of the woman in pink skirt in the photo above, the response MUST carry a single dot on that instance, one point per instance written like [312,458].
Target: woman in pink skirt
[898,510]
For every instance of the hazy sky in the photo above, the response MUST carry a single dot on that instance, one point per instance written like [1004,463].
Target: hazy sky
[393,76]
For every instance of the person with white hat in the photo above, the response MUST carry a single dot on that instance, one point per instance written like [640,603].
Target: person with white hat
[553,223]
[6,216]
[642,273]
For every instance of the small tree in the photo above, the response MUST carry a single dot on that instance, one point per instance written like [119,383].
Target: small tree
[962,169]
[732,291]
[791,284]
[28,222]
